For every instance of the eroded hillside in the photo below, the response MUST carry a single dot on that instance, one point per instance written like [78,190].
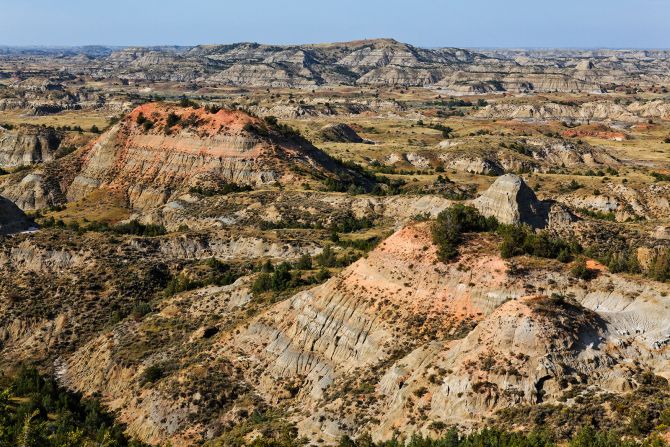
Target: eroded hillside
[255,244]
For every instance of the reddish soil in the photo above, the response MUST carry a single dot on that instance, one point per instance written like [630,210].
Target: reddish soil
[595,130]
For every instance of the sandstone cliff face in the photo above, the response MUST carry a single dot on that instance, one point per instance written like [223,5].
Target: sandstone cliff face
[44,185]
[356,332]
[313,339]
[27,145]
[149,165]
[511,201]
[523,351]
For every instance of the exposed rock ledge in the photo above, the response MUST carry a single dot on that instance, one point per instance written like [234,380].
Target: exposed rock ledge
[511,201]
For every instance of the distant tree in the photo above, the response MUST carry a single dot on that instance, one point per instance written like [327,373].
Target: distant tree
[172,119]
[327,258]
[304,262]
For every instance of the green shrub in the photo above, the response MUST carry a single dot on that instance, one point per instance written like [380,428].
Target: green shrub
[185,102]
[572,186]
[139,229]
[262,283]
[581,271]
[36,411]
[213,109]
[609,216]
[141,309]
[152,374]
[327,257]
[660,177]
[172,119]
[521,240]
[220,190]
[279,280]
[451,223]
[322,275]
[304,262]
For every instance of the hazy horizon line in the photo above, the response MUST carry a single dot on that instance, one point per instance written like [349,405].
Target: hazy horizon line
[432,47]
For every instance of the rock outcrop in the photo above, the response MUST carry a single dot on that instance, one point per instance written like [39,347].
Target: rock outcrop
[624,202]
[525,349]
[27,145]
[340,133]
[584,113]
[511,201]
[12,219]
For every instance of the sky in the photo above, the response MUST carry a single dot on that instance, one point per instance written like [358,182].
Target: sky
[425,23]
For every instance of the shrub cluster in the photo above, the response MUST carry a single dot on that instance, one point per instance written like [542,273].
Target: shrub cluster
[448,229]
[287,276]
[283,129]
[171,120]
[626,260]
[447,232]
[660,177]
[522,240]
[35,411]
[220,190]
[496,437]
[133,227]
[217,274]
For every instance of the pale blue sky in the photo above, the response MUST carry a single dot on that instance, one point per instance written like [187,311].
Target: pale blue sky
[429,23]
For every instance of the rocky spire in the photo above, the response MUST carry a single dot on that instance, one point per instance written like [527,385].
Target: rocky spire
[511,201]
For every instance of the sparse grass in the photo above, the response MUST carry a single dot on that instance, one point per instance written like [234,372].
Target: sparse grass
[86,119]
[99,206]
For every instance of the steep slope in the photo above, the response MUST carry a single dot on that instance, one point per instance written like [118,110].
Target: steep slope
[359,363]
[358,321]
[60,289]
[198,150]
[12,219]
[584,113]
[340,133]
[543,154]
[625,203]
[27,145]
[386,345]
[159,151]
